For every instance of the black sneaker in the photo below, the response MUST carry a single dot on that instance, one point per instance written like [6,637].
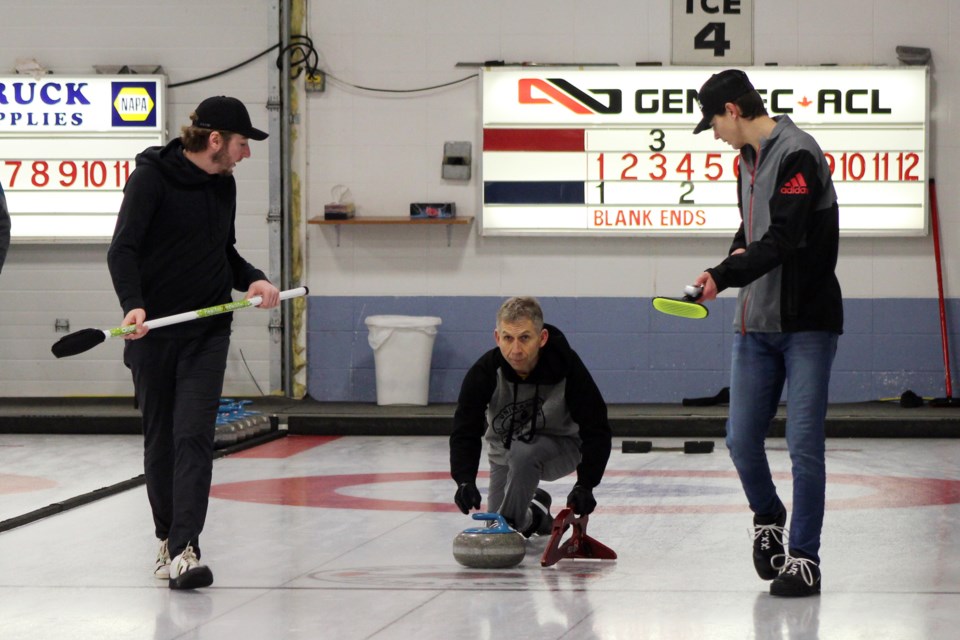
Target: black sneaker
[542,522]
[799,578]
[768,537]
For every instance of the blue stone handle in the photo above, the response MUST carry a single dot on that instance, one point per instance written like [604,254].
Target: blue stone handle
[500,525]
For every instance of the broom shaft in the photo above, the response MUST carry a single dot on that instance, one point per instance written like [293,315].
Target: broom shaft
[202,313]
[935,223]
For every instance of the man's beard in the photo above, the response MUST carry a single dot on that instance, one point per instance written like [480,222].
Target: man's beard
[222,162]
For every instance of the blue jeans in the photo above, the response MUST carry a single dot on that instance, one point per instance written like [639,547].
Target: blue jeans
[762,363]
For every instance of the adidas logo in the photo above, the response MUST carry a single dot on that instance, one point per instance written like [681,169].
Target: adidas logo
[795,186]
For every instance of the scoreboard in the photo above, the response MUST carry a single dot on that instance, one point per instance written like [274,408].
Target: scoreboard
[68,145]
[572,151]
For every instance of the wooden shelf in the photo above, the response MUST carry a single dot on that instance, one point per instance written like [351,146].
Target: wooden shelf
[393,220]
[381,220]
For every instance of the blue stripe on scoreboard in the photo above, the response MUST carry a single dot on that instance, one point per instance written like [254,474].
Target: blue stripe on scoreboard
[568,192]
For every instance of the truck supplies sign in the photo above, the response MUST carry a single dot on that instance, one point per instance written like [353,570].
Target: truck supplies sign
[68,146]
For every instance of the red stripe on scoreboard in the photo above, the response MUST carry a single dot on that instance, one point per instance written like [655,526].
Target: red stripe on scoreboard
[533,140]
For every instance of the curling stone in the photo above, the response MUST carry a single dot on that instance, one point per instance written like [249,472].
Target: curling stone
[496,546]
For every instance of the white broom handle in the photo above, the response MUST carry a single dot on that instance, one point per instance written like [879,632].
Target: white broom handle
[203,313]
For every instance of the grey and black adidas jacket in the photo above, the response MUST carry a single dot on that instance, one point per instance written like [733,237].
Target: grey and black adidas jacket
[558,398]
[790,234]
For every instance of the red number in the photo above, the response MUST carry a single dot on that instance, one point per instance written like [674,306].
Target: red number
[68,173]
[16,168]
[685,166]
[599,161]
[661,162]
[41,177]
[830,162]
[122,171]
[633,163]
[906,172]
[736,166]
[853,166]
[95,173]
[713,164]
[881,166]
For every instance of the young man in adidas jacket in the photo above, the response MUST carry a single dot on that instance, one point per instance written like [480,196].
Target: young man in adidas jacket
[542,416]
[788,318]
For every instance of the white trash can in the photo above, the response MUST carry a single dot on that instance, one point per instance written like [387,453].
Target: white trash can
[402,350]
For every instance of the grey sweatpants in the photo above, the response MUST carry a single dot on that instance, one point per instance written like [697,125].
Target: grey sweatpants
[512,484]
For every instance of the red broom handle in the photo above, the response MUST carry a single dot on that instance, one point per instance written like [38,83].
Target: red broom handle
[935,223]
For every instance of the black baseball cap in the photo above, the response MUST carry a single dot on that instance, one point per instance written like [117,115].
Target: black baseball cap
[720,89]
[222,113]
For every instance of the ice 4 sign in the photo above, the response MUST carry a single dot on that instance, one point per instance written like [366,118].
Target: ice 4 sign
[713,32]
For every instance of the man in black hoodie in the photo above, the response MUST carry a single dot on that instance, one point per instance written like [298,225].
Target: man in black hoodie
[4,228]
[542,415]
[173,251]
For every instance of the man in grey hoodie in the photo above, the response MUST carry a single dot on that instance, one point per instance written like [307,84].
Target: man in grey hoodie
[543,418]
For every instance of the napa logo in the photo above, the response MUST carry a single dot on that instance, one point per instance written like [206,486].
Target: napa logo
[134,104]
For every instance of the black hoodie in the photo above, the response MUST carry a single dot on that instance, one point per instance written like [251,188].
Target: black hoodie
[4,228]
[173,246]
[558,398]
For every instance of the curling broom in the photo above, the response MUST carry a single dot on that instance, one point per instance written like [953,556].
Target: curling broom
[86,339]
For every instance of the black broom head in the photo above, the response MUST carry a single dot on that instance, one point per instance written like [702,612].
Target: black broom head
[77,342]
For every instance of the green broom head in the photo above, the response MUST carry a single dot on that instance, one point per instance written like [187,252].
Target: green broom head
[683,308]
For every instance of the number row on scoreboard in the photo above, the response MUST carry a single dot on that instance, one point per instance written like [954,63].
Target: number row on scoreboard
[688,192]
[877,166]
[55,175]
[854,166]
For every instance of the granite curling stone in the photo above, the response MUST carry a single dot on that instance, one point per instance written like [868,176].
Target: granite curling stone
[496,546]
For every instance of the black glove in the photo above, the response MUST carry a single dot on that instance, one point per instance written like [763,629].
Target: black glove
[581,500]
[468,496]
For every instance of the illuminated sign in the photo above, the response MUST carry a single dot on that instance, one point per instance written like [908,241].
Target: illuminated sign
[713,32]
[67,147]
[612,151]
[134,105]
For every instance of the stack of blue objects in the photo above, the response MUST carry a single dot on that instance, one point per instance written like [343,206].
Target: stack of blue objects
[236,422]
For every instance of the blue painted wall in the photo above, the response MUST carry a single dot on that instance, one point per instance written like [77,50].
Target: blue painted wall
[635,354]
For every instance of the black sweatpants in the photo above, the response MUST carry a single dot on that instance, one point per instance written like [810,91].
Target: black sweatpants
[178,383]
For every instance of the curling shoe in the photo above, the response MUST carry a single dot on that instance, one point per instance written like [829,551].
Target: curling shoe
[799,578]
[541,522]
[768,537]
[161,567]
[186,572]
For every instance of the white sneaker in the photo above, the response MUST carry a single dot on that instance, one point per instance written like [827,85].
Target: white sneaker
[186,572]
[161,568]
